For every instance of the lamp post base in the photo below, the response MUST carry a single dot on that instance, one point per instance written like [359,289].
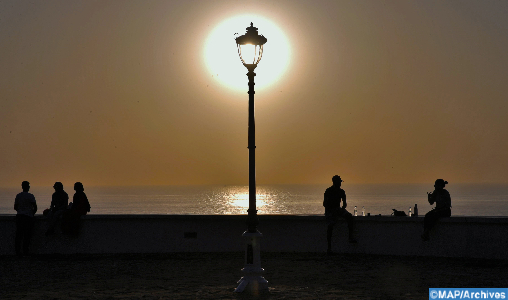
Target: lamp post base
[253,284]
[252,280]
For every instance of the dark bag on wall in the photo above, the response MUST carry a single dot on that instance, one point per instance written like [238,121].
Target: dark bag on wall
[398,213]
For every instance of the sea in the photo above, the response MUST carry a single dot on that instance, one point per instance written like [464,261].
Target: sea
[376,199]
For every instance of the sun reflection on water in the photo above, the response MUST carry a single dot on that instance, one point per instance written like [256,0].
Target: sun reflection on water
[231,200]
[242,200]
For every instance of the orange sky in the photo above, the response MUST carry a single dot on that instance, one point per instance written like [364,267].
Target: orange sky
[117,93]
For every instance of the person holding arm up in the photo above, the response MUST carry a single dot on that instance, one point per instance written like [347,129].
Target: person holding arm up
[443,201]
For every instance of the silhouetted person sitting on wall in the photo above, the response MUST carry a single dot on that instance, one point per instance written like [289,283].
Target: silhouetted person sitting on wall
[333,211]
[26,207]
[79,207]
[443,207]
[59,203]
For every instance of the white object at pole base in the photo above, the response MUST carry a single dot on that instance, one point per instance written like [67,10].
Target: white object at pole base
[252,279]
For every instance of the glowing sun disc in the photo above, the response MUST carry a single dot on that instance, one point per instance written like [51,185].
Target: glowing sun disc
[221,56]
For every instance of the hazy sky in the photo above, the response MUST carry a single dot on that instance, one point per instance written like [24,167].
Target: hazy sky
[118,93]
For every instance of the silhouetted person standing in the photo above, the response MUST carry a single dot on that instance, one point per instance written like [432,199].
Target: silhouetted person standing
[80,207]
[332,198]
[26,207]
[443,201]
[59,203]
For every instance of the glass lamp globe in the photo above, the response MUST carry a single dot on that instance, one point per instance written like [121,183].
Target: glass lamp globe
[250,47]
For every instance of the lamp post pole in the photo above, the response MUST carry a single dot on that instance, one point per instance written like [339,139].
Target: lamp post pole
[252,279]
[252,218]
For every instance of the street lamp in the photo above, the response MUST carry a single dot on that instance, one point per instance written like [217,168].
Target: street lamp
[250,50]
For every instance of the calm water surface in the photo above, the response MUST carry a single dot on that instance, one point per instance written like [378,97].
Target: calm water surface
[470,200]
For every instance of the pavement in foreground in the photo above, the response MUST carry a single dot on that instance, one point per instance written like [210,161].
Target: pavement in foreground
[214,276]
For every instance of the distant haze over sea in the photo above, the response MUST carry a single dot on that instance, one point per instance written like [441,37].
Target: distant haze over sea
[467,199]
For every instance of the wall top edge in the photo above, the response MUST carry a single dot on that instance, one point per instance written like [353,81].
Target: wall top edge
[453,219]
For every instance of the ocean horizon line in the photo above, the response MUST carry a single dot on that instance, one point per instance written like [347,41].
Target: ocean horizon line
[345,183]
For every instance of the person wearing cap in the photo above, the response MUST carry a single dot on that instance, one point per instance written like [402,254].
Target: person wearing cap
[332,198]
[443,201]
[59,203]
[26,207]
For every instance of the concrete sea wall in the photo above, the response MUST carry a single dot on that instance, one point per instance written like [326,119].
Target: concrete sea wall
[471,237]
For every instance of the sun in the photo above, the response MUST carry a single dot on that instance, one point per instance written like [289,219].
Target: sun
[221,56]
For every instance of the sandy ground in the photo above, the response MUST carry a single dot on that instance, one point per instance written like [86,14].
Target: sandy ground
[214,276]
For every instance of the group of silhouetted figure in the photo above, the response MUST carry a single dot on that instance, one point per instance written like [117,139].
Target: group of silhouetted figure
[334,195]
[68,214]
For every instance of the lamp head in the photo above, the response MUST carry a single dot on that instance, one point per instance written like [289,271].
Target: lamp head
[250,47]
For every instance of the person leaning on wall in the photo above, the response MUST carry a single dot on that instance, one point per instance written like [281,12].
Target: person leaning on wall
[26,207]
